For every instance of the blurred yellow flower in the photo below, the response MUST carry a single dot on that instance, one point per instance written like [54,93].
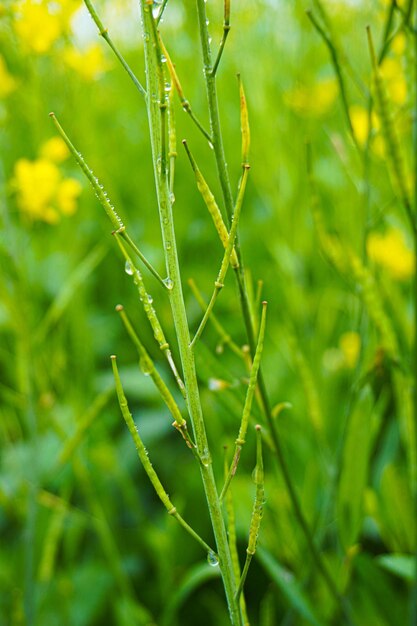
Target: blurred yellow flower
[89,64]
[7,82]
[67,195]
[313,101]
[396,84]
[390,251]
[350,345]
[39,23]
[360,122]
[55,149]
[399,43]
[42,193]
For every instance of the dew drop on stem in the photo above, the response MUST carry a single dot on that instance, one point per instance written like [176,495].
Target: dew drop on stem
[168,283]
[212,559]
[145,366]
[128,268]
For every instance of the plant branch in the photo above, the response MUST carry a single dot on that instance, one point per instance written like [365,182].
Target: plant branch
[240,441]
[226,30]
[148,368]
[257,512]
[219,282]
[104,33]
[223,334]
[146,463]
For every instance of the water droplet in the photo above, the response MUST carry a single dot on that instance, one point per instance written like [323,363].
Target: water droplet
[168,245]
[145,366]
[207,22]
[205,457]
[168,283]
[172,197]
[163,59]
[167,87]
[156,8]
[165,221]
[210,39]
[150,299]
[212,559]
[210,145]
[128,268]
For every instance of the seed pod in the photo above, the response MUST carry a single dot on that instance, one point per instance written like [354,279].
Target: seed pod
[244,123]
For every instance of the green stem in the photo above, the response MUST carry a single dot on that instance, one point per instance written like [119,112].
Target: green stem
[104,33]
[180,320]
[225,338]
[240,441]
[226,29]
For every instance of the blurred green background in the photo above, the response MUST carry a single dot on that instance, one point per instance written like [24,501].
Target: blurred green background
[84,539]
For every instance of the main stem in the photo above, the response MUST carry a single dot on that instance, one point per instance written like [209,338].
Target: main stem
[179,314]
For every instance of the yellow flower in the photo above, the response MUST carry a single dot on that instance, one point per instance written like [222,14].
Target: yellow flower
[89,64]
[39,23]
[313,101]
[55,149]
[389,251]
[396,84]
[360,122]
[350,345]
[399,43]
[7,82]
[42,194]
[67,194]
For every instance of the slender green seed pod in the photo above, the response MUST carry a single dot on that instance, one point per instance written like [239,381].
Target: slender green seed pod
[253,377]
[143,456]
[218,284]
[396,159]
[149,369]
[259,495]
[172,131]
[212,206]
[231,531]
[227,12]
[173,73]
[146,463]
[257,512]
[98,188]
[244,123]
[144,297]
